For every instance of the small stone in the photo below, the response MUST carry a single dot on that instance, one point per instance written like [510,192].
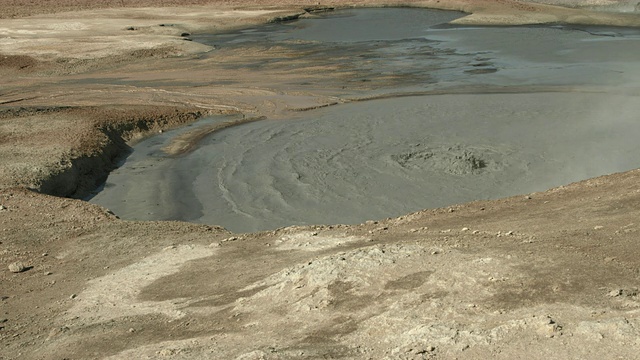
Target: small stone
[609,259]
[465,229]
[615,293]
[2,321]
[509,233]
[2,207]
[132,330]
[424,228]
[73,296]
[379,229]
[476,232]
[528,197]
[170,247]
[47,273]
[17,267]
[550,328]
[166,352]
[598,227]
[451,210]
[55,332]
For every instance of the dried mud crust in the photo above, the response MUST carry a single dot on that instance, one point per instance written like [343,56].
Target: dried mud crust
[24,64]
[17,62]
[67,66]
[21,8]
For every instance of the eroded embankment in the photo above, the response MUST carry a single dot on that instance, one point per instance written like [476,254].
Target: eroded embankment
[75,168]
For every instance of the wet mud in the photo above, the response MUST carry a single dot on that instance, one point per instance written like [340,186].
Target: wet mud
[521,109]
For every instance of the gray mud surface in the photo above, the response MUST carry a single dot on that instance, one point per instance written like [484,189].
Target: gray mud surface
[371,160]
[386,157]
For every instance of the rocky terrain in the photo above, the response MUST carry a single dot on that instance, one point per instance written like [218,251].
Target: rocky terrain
[546,275]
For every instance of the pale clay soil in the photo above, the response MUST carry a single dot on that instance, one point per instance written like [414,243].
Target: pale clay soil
[551,275]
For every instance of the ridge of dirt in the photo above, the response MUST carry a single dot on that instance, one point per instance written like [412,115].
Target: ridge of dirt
[77,170]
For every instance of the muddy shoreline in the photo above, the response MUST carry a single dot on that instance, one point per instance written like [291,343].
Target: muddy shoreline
[471,82]
[28,65]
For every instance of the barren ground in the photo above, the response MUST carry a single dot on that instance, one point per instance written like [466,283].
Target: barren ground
[544,275]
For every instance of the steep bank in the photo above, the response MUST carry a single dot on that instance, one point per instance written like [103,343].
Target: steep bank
[84,145]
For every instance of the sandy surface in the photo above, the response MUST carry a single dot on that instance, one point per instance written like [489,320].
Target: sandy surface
[552,274]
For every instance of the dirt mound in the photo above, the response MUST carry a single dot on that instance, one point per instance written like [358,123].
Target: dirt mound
[17,62]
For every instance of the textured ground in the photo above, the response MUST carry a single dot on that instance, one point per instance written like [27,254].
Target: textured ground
[543,275]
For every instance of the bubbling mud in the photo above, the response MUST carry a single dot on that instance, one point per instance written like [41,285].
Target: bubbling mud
[545,106]
[362,161]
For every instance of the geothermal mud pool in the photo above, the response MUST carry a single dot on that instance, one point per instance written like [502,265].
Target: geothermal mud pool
[386,157]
